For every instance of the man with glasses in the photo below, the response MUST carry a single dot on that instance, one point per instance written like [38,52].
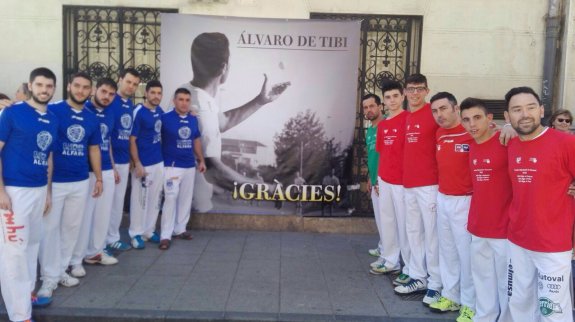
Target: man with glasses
[420,182]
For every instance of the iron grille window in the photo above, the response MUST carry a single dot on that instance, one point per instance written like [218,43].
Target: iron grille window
[104,40]
[390,50]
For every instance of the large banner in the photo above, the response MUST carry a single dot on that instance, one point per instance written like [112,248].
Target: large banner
[275,100]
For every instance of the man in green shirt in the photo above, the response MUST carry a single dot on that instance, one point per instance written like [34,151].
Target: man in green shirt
[373,112]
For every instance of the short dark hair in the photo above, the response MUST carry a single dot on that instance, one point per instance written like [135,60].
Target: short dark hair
[474,102]
[416,79]
[376,98]
[42,71]
[182,90]
[520,90]
[81,75]
[441,95]
[4,96]
[557,113]
[391,85]
[107,81]
[153,83]
[130,70]
[208,53]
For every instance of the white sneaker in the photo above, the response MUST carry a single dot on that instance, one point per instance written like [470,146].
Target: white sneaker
[78,271]
[47,289]
[102,259]
[68,281]
[374,252]
[379,262]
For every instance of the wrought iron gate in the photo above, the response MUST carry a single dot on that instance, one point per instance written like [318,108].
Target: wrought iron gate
[103,40]
[390,49]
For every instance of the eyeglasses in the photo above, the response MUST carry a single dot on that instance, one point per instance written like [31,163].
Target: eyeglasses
[415,89]
[568,121]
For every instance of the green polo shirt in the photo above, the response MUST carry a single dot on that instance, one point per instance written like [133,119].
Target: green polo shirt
[372,155]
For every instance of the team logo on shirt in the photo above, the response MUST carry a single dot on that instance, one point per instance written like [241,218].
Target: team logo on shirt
[126,121]
[462,148]
[43,140]
[158,126]
[547,307]
[75,133]
[184,132]
[533,160]
[518,160]
[103,130]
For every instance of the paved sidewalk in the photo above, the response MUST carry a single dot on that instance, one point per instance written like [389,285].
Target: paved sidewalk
[240,276]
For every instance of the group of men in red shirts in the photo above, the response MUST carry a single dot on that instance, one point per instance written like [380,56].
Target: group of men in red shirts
[480,218]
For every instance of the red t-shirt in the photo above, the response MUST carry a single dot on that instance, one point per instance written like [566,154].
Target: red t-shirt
[489,211]
[541,212]
[419,163]
[389,144]
[453,161]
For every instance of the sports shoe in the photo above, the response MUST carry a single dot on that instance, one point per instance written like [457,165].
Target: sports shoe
[155,238]
[382,269]
[432,296]
[102,258]
[466,314]
[138,242]
[444,305]
[374,252]
[379,261]
[68,281]
[77,271]
[47,289]
[401,279]
[412,287]
[118,245]
[40,302]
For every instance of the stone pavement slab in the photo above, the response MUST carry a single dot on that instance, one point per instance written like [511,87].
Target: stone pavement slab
[240,276]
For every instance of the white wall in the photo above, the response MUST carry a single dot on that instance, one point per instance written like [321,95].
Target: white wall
[471,48]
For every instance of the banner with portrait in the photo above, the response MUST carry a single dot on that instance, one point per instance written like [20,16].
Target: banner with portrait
[275,100]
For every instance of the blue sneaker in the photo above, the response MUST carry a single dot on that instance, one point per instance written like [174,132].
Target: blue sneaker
[431,297]
[138,242]
[118,245]
[40,302]
[155,238]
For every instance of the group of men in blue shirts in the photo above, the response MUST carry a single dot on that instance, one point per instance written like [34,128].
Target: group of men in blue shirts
[64,169]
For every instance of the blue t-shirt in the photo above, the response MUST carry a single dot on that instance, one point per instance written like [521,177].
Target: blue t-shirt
[147,129]
[76,131]
[28,137]
[178,135]
[105,119]
[123,111]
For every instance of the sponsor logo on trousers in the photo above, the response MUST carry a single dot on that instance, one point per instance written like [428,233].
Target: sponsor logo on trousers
[509,279]
[547,307]
[549,278]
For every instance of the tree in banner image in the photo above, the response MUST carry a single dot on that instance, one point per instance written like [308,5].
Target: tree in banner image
[303,146]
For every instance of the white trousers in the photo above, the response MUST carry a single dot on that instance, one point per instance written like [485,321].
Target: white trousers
[388,194]
[421,228]
[62,228]
[96,219]
[19,244]
[178,195]
[539,285]
[145,200]
[454,247]
[118,203]
[375,204]
[489,272]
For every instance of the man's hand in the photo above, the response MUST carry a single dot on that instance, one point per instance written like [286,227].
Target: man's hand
[98,189]
[139,170]
[376,187]
[5,103]
[571,190]
[369,185]
[48,204]
[507,133]
[5,202]
[201,166]
[117,177]
[267,94]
